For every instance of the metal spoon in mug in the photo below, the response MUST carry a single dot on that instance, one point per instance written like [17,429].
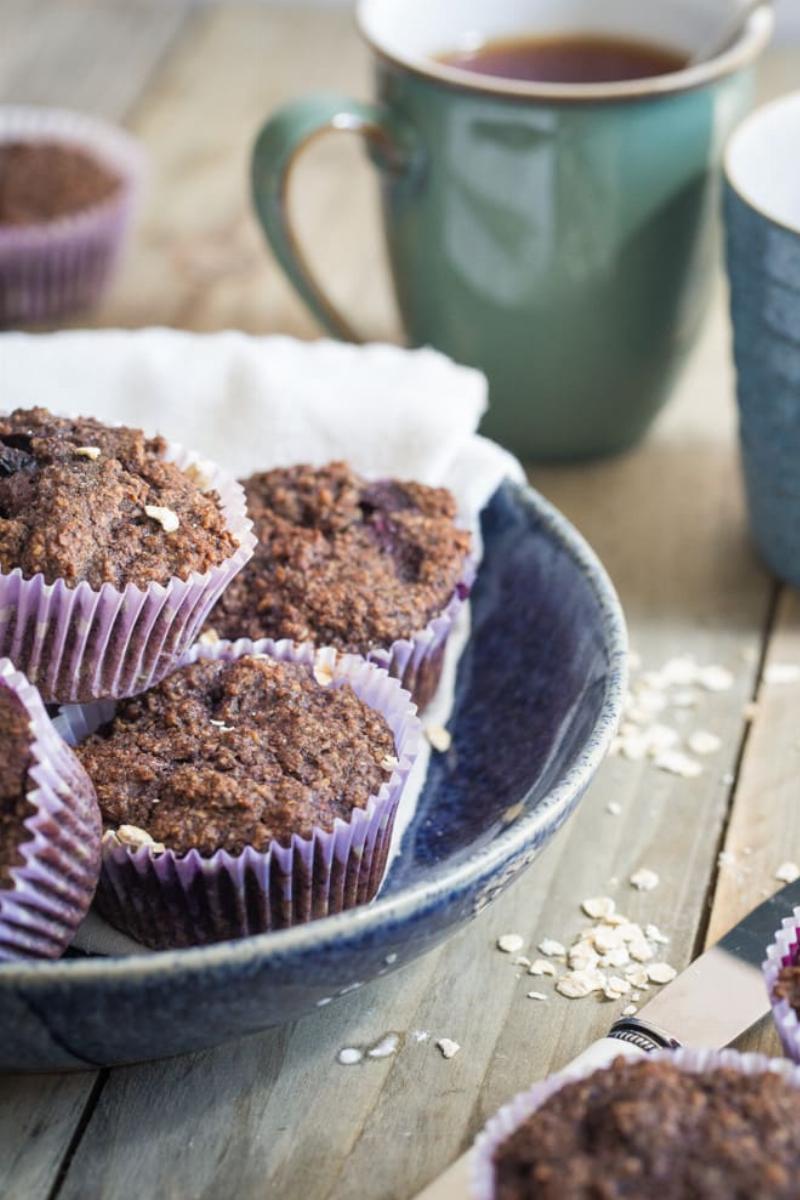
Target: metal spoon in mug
[731,31]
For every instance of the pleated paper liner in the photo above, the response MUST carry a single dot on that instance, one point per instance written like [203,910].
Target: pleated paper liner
[52,888]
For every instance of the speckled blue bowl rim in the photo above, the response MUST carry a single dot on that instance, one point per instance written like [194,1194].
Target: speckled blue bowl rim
[551,810]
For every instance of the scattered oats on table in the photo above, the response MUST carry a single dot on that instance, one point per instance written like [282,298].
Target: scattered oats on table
[675,762]
[386,1047]
[787,872]
[702,741]
[644,880]
[440,738]
[551,948]
[510,943]
[448,1047]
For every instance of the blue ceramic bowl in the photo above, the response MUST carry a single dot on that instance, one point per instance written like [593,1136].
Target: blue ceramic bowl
[538,695]
[762,208]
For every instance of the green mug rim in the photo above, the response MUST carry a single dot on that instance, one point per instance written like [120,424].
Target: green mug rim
[753,40]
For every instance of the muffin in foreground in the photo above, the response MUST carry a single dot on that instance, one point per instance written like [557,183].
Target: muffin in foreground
[113,547]
[682,1125]
[49,829]
[253,789]
[378,569]
[68,185]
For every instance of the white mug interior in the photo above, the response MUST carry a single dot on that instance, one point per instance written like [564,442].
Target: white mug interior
[762,161]
[416,33]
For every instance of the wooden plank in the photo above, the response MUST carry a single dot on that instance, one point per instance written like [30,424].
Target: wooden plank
[89,54]
[38,1116]
[764,828]
[199,260]
[276,1114]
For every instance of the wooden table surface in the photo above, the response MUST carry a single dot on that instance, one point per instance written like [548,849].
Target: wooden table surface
[276,1115]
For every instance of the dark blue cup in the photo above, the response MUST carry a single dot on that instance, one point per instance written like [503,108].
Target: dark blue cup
[762,209]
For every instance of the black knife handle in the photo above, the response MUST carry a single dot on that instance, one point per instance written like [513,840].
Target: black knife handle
[645,1037]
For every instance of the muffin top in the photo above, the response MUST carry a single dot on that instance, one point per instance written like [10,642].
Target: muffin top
[42,181]
[787,985]
[341,561]
[223,755]
[15,761]
[647,1129]
[84,502]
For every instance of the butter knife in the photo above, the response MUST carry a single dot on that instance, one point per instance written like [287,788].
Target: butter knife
[713,1002]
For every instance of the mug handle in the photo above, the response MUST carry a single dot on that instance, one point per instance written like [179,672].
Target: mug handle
[283,137]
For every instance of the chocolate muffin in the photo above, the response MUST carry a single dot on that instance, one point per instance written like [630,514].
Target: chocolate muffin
[254,789]
[68,190]
[44,180]
[349,563]
[223,755]
[113,548]
[49,828]
[650,1128]
[84,502]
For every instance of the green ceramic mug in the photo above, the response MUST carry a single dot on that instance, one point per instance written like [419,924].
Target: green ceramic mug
[558,236]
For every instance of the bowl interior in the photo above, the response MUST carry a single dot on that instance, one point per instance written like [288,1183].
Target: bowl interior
[530,688]
[538,693]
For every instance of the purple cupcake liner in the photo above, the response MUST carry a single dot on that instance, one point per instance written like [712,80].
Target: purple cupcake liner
[512,1115]
[166,900]
[417,661]
[784,952]
[78,644]
[51,890]
[54,268]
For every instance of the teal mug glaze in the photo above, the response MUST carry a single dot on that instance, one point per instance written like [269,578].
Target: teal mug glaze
[559,237]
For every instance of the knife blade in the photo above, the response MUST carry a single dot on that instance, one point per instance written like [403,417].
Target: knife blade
[716,999]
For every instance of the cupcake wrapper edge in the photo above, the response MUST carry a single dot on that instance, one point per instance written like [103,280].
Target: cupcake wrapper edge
[52,888]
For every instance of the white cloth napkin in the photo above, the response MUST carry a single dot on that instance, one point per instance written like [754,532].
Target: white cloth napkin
[252,403]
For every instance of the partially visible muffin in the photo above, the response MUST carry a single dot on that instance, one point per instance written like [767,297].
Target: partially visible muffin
[44,180]
[787,985]
[49,828]
[81,501]
[15,762]
[641,1130]
[68,190]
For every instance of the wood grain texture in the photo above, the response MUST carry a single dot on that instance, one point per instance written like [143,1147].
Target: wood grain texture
[199,259]
[276,1114]
[87,54]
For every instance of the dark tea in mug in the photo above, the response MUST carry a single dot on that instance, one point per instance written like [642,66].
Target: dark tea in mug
[569,58]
